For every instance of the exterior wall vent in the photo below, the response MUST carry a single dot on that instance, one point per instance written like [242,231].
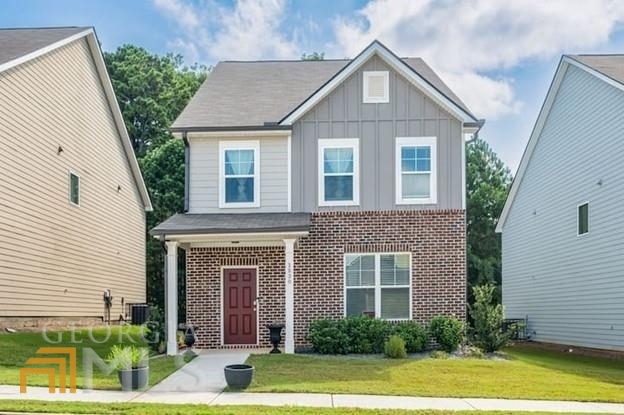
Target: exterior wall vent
[376,87]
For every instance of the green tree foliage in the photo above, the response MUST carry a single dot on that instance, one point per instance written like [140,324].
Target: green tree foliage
[487,183]
[487,320]
[151,90]
[314,56]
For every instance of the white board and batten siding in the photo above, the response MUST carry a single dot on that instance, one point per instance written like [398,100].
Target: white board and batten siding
[571,287]
[56,259]
[204,171]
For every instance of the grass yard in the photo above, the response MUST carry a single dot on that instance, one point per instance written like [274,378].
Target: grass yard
[138,408]
[529,374]
[16,348]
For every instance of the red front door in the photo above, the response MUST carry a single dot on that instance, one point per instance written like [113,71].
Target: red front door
[239,309]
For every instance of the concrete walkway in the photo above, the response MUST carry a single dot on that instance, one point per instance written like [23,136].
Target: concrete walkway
[202,381]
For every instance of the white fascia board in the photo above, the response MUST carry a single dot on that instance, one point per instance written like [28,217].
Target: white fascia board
[534,138]
[240,237]
[96,53]
[39,52]
[399,66]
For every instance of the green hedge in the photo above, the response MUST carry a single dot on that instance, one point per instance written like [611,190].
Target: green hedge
[363,335]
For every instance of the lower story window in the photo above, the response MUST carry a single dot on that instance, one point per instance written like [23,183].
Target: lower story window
[378,285]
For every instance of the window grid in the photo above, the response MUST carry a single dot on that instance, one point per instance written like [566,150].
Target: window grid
[338,158]
[239,166]
[415,166]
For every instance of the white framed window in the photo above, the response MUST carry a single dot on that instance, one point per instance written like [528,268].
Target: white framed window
[239,174]
[339,172]
[74,188]
[376,88]
[416,170]
[378,285]
[582,220]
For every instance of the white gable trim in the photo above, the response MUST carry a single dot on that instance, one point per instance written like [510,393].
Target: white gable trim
[566,61]
[398,65]
[35,54]
[96,54]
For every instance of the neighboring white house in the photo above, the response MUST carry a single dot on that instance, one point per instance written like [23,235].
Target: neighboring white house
[562,225]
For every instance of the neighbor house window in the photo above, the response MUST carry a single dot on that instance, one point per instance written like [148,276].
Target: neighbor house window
[583,219]
[416,168]
[338,172]
[239,174]
[74,188]
[376,87]
[378,285]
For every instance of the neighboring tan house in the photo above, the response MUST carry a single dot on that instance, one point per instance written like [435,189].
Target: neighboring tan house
[72,199]
[563,241]
[319,189]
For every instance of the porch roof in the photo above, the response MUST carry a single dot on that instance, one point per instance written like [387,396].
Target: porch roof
[229,223]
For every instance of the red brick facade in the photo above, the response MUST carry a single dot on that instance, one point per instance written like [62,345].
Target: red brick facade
[435,238]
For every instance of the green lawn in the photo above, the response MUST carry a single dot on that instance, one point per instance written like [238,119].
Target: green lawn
[140,409]
[16,348]
[529,374]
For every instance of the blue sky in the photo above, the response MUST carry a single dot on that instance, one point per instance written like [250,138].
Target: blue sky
[499,57]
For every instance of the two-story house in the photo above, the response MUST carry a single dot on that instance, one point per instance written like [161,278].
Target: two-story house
[72,199]
[319,189]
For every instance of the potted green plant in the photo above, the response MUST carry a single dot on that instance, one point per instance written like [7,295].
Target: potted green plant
[132,366]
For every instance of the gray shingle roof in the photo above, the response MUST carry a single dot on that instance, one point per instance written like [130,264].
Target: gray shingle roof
[184,224]
[15,43]
[245,94]
[609,65]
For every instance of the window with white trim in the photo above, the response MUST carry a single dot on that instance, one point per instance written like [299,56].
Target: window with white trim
[239,180]
[338,168]
[416,166]
[376,87]
[74,188]
[378,285]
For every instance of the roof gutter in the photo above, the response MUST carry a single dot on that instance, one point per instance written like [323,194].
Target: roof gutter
[479,124]
[265,127]
[187,171]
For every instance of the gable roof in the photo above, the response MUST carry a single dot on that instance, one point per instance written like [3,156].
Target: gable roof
[241,95]
[18,46]
[608,68]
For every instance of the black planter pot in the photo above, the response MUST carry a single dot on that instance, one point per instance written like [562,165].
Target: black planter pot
[132,379]
[238,376]
[275,335]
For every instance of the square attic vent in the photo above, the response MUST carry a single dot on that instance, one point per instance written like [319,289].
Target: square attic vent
[376,87]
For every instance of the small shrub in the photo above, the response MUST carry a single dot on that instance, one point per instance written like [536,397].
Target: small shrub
[366,335]
[439,354]
[414,335]
[328,336]
[395,347]
[487,331]
[449,332]
[155,332]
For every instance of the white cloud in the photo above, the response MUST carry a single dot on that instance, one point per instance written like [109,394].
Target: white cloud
[251,29]
[462,40]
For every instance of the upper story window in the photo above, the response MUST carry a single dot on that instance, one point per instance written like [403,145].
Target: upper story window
[416,181]
[338,172]
[74,188]
[583,219]
[376,88]
[378,285]
[239,180]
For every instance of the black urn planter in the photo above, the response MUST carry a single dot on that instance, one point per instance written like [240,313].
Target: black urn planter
[275,335]
[189,337]
[133,379]
[238,376]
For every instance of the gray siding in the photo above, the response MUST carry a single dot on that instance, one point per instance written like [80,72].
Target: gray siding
[204,176]
[571,287]
[343,115]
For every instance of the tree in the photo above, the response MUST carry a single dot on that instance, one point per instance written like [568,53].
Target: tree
[151,91]
[488,181]
[163,172]
[314,56]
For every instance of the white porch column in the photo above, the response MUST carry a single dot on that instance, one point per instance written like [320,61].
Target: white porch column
[172,298]
[289,251]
